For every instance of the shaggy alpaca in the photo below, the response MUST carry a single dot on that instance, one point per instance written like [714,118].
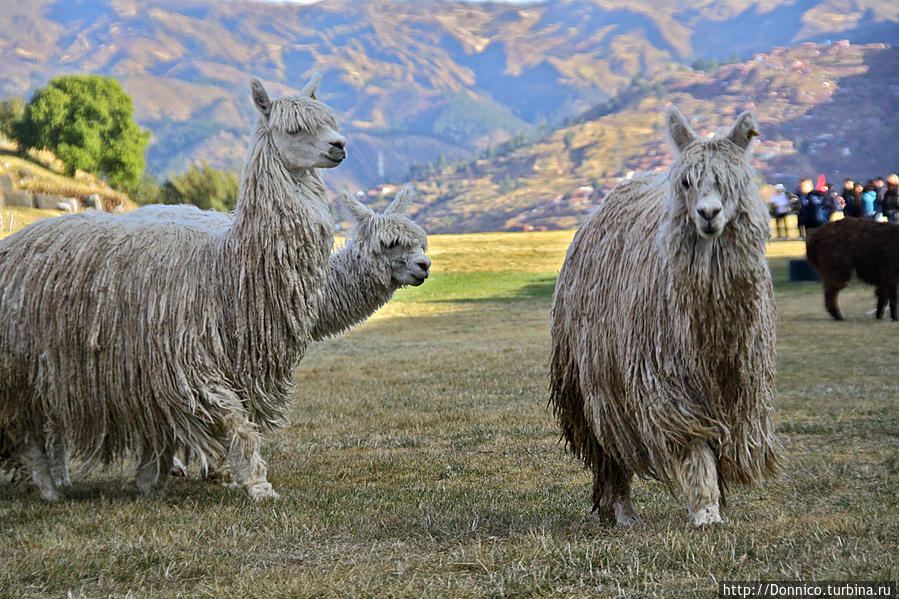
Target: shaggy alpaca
[868,247]
[169,326]
[383,253]
[663,330]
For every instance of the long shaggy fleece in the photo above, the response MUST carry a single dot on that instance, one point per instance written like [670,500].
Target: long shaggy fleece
[661,337]
[168,326]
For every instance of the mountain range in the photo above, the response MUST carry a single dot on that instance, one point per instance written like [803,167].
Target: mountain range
[823,109]
[412,81]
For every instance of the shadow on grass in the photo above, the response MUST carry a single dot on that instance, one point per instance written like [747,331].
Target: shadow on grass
[540,288]
[181,491]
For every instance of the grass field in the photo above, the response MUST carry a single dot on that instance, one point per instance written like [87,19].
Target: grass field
[423,461]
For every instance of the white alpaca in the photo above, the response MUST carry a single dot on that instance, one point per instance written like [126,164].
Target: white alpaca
[169,326]
[663,330]
[383,253]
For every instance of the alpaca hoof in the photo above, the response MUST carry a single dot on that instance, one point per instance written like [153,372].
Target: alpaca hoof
[706,516]
[629,520]
[50,494]
[178,468]
[627,516]
[62,484]
[262,491]
[152,492]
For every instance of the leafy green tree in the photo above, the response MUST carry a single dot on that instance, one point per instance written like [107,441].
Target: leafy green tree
[203,186]
[86,120]
[12,109]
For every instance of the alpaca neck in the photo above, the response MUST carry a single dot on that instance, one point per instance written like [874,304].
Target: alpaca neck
[735,258]
[715,283]
[277,254]
[275,196]
[358,283]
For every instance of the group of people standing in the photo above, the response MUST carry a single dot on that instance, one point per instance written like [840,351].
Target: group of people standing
[814,204]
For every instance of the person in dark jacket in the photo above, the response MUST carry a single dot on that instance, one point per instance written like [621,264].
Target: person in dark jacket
[813,212]
[891,199]
[880,189]
[833,200]
[850,206]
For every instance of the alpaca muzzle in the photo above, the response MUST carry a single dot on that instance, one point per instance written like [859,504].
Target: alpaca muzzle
[337,152]
[424,271]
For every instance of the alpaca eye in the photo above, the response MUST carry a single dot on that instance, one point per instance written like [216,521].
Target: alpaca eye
[685,183]
[392,245]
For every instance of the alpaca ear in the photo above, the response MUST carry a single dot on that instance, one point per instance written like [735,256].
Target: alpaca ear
[260,97]
[744,130]
[679,130]
[400,204]
[357,211]
[310,88]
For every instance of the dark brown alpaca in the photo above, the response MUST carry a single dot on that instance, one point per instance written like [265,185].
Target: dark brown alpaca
[870,248]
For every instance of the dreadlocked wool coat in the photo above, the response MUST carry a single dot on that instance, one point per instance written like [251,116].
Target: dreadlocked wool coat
[661,337]
[168,326]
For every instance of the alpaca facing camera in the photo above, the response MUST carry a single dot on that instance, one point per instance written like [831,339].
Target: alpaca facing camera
[663,330]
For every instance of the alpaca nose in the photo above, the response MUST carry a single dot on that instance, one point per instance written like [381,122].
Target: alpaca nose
[708,213]
[424,264]
[337,150]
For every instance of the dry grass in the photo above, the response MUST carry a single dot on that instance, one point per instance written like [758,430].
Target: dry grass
[423,462]
[13,218]
[42,172]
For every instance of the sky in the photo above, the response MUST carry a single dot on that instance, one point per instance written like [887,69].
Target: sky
[475,1]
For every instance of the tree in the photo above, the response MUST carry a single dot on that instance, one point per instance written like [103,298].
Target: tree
[203,186]
[86,120]
[12,109]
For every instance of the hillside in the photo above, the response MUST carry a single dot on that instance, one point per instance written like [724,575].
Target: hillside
[822,109]
[411,80]
[36,184]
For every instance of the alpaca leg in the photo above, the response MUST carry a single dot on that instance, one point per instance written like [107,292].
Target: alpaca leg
[697,474]
[59,461]
[58,456]
[831,290]
[612,491]
[248,469]
[882,298]
[35,463]
[154,471]
[894,312]
[891,296]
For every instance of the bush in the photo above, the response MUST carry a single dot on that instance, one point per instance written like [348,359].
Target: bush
[201,185]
